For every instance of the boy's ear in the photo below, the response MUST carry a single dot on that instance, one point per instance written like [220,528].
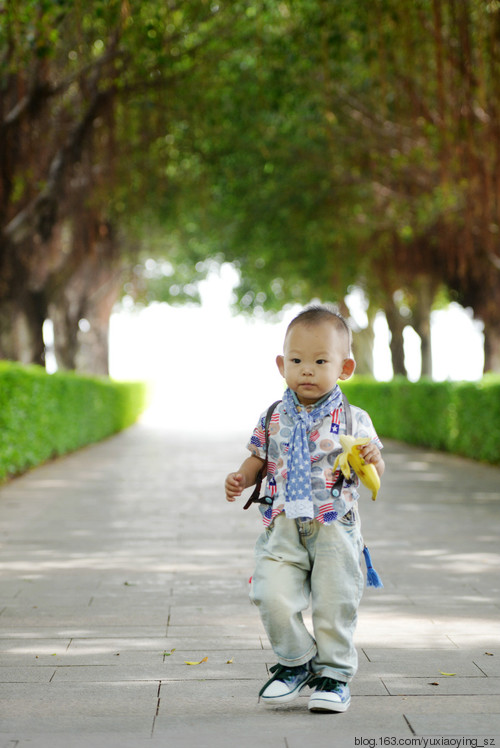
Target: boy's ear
[280,363]
[348,368]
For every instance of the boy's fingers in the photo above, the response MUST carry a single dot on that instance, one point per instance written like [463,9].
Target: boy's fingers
[233,487]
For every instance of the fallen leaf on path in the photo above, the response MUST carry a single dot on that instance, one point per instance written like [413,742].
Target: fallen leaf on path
[448,674]
[434,683]
[229,662]
[196,663]
[167,654]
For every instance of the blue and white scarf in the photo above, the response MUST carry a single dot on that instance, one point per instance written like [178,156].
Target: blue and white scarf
[298,501]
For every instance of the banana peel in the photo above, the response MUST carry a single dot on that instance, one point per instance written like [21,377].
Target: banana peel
[351,458]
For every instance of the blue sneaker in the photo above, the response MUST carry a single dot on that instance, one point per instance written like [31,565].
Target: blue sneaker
[330,695]
[285,685]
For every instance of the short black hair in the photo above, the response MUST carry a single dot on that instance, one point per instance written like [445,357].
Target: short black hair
[316,313]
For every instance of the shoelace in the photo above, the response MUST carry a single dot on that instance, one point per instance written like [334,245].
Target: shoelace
[323,683]
[281,672]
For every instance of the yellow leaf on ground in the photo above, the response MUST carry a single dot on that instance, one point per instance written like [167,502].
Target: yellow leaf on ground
[196,663]
[448,674]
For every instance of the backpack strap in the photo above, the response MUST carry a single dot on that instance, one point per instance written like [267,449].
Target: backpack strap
[255,498]
[336,489]
[347,414]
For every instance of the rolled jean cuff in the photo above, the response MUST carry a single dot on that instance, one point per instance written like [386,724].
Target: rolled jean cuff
[329,672]
[298,661]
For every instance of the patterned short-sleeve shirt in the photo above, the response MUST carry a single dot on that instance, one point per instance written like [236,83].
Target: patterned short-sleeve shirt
[324,446]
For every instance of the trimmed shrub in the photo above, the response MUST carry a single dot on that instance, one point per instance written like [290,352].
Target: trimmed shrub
[475,426]
[458,417]
[44,415]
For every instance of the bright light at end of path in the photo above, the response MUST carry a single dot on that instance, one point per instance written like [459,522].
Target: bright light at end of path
[211,371]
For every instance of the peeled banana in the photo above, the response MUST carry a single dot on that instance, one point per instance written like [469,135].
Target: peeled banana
[351,458]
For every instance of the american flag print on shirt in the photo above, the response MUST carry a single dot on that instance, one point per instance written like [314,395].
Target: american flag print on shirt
[331,478]
[271,486]
[335,427]
[271,467]
[326,514]
[270,513]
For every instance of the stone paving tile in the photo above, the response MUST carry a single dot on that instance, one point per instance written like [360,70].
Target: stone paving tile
[490,641]
[251,643]
[488,665]
[405,641]
[432,661]
[26,674]
[81,658]
[97,631]
[425,667]
[474,726]
[442,685]
[96,645]
[75,708]
[163,671]
[53,618]
[33,647]
[94,739]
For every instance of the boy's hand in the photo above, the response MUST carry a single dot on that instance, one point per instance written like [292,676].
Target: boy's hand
[372,455]
[235,484]
[243,478]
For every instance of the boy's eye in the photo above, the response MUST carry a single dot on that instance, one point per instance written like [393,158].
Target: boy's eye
[321,361]
[295,360]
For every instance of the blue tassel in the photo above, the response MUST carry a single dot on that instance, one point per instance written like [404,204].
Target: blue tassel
[372,578]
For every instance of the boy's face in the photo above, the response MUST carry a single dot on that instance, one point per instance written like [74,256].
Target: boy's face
[315,357]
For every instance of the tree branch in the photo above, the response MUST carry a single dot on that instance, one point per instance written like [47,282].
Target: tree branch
[40,215]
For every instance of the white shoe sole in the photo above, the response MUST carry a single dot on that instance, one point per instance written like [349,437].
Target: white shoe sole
[317,704]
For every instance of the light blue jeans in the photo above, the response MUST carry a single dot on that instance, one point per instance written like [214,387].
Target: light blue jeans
[300,562]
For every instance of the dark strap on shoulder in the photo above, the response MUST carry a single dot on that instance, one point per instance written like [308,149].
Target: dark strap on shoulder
[348,415]
[263,471]
[336,489]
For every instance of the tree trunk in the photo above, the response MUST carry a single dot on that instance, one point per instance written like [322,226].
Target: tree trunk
[362,345]
[425,289]
[93,344]
[491,348]
[65,317]
[396,324]
[82,297]
[21,323]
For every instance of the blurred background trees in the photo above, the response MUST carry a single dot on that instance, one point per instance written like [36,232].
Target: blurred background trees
[316,145]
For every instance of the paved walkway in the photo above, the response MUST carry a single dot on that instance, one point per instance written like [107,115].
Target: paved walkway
[116,571]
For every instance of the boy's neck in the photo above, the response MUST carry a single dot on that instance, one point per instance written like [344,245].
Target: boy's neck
[312,405]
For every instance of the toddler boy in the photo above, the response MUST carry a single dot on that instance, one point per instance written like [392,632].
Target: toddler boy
[310,550]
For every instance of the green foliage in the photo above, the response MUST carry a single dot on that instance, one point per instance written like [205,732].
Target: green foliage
[458,417]
[42,415]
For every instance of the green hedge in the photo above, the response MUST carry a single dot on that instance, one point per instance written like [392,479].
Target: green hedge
[458,417]
[44,415]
